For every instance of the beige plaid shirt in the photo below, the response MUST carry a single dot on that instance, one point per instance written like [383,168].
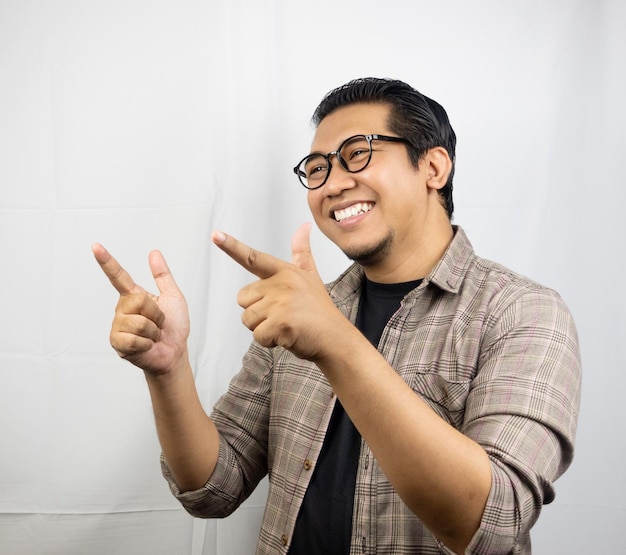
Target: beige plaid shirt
[493,353]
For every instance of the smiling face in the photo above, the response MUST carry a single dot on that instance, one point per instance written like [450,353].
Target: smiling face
[388,217]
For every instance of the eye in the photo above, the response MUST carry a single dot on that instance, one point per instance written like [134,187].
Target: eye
[358,152]
[314,167]
[355,152]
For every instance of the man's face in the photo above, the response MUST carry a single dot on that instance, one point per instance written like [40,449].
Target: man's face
[378,215]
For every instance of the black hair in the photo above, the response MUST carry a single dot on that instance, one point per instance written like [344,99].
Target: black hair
[413,116]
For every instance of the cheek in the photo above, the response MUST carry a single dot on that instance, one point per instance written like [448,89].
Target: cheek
[314,200]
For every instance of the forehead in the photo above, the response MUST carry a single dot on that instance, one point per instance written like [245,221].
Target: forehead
[354,119]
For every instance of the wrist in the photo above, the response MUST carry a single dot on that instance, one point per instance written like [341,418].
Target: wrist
[343,342]
[173,373]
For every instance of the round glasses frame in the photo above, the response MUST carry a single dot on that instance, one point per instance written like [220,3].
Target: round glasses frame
[300,169]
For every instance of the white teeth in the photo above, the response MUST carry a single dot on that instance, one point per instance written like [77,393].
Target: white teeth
[354,210]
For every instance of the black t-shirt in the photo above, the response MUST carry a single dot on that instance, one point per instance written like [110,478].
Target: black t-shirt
[324,524]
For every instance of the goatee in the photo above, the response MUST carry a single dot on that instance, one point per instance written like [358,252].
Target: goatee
[372,255]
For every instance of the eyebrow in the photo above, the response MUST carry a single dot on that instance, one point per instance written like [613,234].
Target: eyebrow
[340,143]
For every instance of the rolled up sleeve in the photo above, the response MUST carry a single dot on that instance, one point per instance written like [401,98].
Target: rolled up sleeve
[523,409]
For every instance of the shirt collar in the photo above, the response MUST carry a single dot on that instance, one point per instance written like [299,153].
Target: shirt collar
[447,274]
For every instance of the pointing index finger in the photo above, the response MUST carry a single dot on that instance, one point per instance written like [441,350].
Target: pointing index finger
[119,278]
[260,264]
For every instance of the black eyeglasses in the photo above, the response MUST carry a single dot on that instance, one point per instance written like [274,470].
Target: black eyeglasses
[354,154]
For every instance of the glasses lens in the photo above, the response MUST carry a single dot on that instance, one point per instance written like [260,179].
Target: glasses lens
[355,153]
[313,171]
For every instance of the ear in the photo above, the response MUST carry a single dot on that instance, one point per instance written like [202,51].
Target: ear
[438,166]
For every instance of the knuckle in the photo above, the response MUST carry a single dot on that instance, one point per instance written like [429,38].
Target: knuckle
[250,318]
[136,326]
[264,339]
[125,344]
[127,304]
[131,344]
[252,257]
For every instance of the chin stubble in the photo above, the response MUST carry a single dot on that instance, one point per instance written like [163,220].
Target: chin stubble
[368,256]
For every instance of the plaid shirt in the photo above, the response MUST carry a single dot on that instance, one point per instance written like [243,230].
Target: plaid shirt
[491,352]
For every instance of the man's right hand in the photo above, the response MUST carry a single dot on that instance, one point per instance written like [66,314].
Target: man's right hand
[149,331]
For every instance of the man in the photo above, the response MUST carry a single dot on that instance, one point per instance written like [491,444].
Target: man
[424,402]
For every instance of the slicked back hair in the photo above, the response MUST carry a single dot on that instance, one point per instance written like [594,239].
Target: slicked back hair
[413,116]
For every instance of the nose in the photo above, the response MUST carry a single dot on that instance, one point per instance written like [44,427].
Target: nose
[339,180]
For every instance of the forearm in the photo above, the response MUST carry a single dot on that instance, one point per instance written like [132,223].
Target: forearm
[188,437]
[443,476]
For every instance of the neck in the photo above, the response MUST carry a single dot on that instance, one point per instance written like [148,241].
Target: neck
[423,255]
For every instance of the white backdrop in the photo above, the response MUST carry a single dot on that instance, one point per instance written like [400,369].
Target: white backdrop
[147,123]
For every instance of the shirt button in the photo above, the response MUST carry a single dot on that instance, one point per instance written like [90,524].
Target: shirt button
[308,464]
[284,539]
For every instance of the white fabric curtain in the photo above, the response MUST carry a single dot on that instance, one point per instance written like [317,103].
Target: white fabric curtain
[148,123]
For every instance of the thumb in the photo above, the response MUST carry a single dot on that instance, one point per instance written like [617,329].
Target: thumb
[162,275]
[301,255]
